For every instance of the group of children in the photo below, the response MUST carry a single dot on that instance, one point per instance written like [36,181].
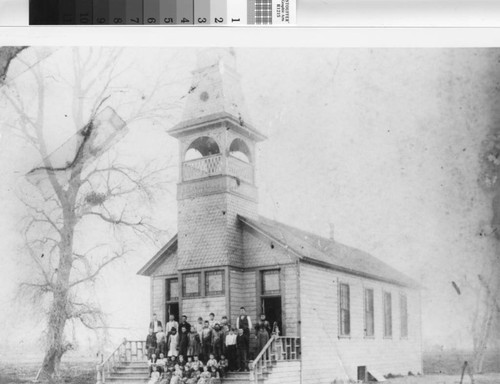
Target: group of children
[176,370]
[201,353]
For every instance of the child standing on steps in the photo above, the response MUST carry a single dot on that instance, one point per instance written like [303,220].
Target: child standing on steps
[206,341]
[194,345]
[173,343]
[242,347]
[231,351]
[151,343]
[217,341]
[262,338]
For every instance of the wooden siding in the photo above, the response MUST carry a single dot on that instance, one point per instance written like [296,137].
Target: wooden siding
[244,294]
[158,298]
[326,356]
[285,372]
[202,306]
[168,267]
[237,293]
[290,299]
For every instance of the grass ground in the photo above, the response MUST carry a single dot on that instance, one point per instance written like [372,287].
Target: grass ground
[72,372]
[488,378]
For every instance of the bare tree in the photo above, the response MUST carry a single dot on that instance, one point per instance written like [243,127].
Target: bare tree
[92,188]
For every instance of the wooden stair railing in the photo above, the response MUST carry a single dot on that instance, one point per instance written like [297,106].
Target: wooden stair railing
[126,352]
[278,348]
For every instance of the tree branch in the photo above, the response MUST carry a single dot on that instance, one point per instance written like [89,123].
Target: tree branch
[93,275]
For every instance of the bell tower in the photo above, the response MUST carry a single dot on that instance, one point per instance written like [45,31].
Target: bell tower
[217,165]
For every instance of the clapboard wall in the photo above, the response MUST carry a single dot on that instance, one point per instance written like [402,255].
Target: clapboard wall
[326,355]
[284,372]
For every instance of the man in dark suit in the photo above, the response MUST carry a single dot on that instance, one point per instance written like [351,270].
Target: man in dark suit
[155,324]
[245,323]
[184,323]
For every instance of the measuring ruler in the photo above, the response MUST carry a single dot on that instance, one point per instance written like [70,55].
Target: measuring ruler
[162,12]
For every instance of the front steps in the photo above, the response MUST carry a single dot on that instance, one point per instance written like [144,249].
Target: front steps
[277,372]
[130,373]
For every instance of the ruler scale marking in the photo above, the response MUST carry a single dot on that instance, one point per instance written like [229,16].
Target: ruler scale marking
[164,12]
[101,12]
[133,12]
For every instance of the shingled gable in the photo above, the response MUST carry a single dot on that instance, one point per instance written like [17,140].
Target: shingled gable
[166,251]
[315,249]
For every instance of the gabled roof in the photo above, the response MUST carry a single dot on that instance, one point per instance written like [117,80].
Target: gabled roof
[167,250]
[312,248]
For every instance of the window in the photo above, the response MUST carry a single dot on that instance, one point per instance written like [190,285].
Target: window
[172,289]
[403,305]
[191,284]
[214,283]
[271,282]
[369,313]
[345,315]
[387,314]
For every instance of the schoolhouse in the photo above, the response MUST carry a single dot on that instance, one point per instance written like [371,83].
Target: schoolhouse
[343,314]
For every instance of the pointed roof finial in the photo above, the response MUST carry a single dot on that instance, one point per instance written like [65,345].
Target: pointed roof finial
[215,94]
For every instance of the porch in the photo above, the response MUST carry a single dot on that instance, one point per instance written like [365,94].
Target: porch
[278,362]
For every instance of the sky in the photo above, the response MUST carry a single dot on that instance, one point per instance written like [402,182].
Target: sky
[382,143]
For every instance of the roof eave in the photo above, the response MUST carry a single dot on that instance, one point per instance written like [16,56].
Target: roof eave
[309,260]
[269,236]
[412,284]
[192,125]
[145,270]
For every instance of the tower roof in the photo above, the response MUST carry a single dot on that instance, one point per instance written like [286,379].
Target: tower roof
[215,94]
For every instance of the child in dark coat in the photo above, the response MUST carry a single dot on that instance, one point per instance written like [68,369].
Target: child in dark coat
[150,343]
[206,341]
[217,341]
[183,341]
[262,338]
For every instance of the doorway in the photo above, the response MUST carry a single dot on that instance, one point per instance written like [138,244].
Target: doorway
[271,307]
[172,309]
[362,377]
[171,299]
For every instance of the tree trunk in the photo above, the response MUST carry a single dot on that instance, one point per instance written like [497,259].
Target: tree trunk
[55,343]
[55,338]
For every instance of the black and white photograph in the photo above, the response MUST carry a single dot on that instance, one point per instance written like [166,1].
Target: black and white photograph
[231,215]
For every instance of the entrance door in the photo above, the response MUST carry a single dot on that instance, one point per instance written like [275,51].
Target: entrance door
[271,306]
[172,309]
[362,377]
[171,299]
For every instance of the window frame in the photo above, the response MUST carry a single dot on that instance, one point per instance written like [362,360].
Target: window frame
[190,295]
[403,297]
[342,331]
[366,312]
[265,272]
[386,313]
[168,297]
[220,272]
